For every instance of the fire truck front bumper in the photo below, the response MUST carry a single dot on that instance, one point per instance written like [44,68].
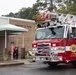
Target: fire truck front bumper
[48,58]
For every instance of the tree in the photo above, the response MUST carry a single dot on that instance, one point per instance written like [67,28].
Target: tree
[11,14]
[24,13]
[70,9]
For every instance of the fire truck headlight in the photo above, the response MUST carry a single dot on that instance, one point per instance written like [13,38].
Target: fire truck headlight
[34,49]
[35,46]
[60,58]
[53,48]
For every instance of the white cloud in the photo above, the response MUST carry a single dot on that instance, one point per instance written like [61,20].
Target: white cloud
[7,6]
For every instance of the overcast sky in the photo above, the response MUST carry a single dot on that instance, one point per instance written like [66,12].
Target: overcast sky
[7,6]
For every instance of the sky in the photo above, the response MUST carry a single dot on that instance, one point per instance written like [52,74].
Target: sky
[7,6]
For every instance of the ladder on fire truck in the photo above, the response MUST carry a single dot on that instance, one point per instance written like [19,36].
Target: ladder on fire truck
[63,18]
[58,19]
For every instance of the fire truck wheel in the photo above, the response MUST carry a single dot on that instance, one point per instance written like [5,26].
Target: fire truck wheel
[52,64]
[74,64]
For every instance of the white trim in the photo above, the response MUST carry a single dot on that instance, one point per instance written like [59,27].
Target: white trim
[18,19]
[5,39]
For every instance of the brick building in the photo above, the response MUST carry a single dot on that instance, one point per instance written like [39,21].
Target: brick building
[23,40]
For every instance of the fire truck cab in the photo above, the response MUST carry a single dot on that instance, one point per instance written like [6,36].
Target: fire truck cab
[55,43]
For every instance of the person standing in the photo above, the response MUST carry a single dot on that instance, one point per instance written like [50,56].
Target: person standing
[15,53]
[12,51]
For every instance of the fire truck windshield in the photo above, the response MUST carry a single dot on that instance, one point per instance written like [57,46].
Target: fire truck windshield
[48,33]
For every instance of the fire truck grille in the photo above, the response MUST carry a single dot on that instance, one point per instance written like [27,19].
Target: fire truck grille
[43,48]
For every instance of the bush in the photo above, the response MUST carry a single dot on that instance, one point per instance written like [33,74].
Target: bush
[26,52]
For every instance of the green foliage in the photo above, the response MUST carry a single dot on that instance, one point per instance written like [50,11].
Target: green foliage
[26,52]
[51,8]
[25,13]
[70,9]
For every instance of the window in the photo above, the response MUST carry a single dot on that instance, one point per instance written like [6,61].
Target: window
[74,31]
[48,33]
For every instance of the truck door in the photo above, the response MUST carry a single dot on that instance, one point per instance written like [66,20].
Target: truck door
[71,45]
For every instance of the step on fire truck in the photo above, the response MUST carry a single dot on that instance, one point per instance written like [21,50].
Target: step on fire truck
[55,41]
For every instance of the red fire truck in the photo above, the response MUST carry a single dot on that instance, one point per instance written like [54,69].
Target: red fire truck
[55,43]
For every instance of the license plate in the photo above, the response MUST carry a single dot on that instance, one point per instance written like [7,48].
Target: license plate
[37,58]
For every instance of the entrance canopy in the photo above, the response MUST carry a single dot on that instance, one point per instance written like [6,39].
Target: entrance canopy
[9,29]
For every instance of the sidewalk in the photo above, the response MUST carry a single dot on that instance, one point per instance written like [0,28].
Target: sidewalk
[14,62]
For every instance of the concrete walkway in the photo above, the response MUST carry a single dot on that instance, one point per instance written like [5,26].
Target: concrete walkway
[15,62]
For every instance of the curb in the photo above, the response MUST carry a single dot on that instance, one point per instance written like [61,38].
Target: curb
[11,64]
[16,62]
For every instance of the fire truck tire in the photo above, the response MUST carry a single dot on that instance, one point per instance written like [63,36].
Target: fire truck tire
[52,64]
[74,64]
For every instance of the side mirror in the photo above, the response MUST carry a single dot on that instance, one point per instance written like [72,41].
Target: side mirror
[71,35]
[39,25]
